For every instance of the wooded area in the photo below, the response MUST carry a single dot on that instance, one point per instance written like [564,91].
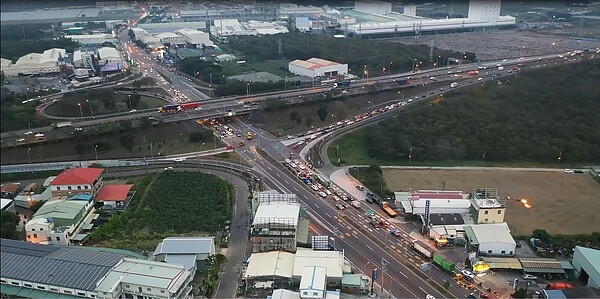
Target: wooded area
[543,116]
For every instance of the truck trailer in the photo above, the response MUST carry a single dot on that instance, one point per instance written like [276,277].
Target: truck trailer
[423,248]
[446,265]
[387,209]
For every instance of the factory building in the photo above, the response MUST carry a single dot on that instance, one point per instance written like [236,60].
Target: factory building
[317,67]
[195,37]
[35,63]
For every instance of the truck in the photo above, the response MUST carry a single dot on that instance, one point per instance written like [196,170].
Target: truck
[188,106]
[62,124]
[387,209]
[403,82]
[249,135]
[446,265]
[168,109]
[355,204]
[422,248]
[343,83]
[453,84]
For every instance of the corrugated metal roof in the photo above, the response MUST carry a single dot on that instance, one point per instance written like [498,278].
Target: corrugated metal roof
[185,245]
[113,193]
[592,255]
[77,176]
[97,258]
[533,265]
[26,248]
[188,261]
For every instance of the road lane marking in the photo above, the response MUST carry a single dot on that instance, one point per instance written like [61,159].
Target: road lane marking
[328,215]
[403,274]
[277,174]
[420,288]
[369,247]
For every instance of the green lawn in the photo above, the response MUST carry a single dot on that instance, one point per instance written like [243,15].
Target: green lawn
[274,66]
[67,106]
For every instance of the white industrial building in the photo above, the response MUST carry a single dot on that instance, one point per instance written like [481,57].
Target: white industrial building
[109,59]
[586,262]
[440,202]
[492,239]
[195,37]
[292,10]
[275,226]
[289,267]
[373,7]
[232,27]
[482,14]
[35,63]
[316,67]
[93,39]
[170,38]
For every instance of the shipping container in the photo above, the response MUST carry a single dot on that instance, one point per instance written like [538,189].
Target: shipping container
[189,106]
[439,260]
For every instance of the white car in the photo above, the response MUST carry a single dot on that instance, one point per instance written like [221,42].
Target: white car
[529,276]
[178,160]
[168,168]
[302,167]
[20,139]
[314,187]
[568,170]
[322,194]
[467,275]
[288,161]
[28,133]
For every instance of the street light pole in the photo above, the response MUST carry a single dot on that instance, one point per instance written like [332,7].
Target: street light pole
[334,117]
[130,107]
[80,111]
[410,156]
[151,145]
[390,70]
[96,151]
[28,156]
[199,156]
[248,90]
[90,105]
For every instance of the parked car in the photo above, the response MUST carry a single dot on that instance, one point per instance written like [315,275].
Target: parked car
[468,275]
[229,146]
[529,276]
[322,194]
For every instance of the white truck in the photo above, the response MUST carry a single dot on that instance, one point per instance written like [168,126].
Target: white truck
[423,248]
[355,204]
[62,125]
[453,85]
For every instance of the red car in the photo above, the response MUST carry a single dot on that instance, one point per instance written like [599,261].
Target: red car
[230,147]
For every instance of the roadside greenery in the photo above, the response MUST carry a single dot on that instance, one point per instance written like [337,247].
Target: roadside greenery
[168,204]
[8,225]
[13,49]
[526,119]
[210,275]
[372,178]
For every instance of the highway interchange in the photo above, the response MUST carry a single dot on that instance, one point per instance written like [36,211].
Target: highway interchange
[364,246]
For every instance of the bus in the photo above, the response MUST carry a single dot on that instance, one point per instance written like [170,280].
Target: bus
[323,181]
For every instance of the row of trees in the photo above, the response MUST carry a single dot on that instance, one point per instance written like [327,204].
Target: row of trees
[524,119]
[12,50]
[357,53]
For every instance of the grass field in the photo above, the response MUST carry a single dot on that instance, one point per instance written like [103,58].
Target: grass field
[561,203]
[65,106]
[275,66]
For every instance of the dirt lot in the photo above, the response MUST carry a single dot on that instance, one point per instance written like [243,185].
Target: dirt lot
[499,44]
[561,203]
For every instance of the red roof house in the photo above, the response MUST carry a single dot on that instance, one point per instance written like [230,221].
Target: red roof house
[77,176]
[114,196]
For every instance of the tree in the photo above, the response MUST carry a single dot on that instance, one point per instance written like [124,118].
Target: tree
[520,293]
[125,124]
[133,101]
[308,121]
[299,120]
[127,141]
[322,111]
[273,104]
[541,234]
[8,225]
[293,115]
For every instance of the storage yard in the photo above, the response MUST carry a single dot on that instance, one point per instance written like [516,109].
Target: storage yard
[560,202]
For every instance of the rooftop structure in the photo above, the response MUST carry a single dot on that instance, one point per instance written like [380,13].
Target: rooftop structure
[487,206]
[333,261]
[60,221]
[93,39]
[275,226]
[190,252]
[36,63]
[440,202]
[293,10]
[313,283]
[195,37]
[270,264]
[77,176]
[317,67]
[115,196]
[491,239]
[277,213]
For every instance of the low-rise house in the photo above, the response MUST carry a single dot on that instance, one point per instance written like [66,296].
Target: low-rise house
[190,252]
[77,180]
[115,197]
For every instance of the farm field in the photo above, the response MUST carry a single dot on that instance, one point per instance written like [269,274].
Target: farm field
[561,203]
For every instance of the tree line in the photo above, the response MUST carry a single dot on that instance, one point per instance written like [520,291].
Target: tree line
[525,119]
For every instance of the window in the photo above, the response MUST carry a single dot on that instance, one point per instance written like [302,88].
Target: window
[315,294]
[490,251]
[33,229]
[14,283]
[28,285]
[162,291]
[57,238]
[41,287]
[486,212]
[67,292]
[81,293]
[304,293]
[92,296]
[57,188]
[503,252]
[68,187]
[35,236]
[499,212]
[54,289]
[78,187]
[127,286]
[3,280]
[487,220]
[149,289]
[41,228]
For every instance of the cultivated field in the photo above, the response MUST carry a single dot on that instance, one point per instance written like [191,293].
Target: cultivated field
[561,203]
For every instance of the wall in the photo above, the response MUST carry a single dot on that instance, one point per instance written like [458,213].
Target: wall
[494,215]
[496,249]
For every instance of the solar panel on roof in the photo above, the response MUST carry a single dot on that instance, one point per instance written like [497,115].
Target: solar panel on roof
[25,248]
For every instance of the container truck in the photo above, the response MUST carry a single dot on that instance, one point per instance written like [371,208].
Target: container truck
[423,248]
[62,124]
[387,209]
[446,265]
[188,106]
[168,108]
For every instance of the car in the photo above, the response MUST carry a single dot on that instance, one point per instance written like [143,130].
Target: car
[360,187]
[28,133]
[178,160]
[242,143]
[288,161]
[322,194]
[339,207]
[369,200]
[568,170]
[479,79]
[168,168]
[529,276]
[467,275]
[314,187]
[370,194]
[132,111]
[429,296]
[229,146]
[395,232]
[21,140]
[578,171]
[471,296]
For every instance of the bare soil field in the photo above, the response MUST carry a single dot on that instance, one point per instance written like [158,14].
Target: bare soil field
[490,45]
[561,203]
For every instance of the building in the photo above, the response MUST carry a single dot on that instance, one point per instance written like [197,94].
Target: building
[190,252]
[292,10]
[484,10]
[115,197]
[313,282]
[109,59]
[84,58]
[586,262]
[227,27]
[144,279]
[170,38]
[42,271]
[491,239]
[275,226]
[286,270]
[440,202]
[93,39]
[59,222]
[7,205]
[486,205]
[34,193]
[373,7]
[77,180]
[10,190]
[316,67]
[36,63]
[195,37]
[263,28]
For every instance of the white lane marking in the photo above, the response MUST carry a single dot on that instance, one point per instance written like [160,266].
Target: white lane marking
[369,247]
[277,174]
[403,274]
[420,288]
[328,215]
[296,189]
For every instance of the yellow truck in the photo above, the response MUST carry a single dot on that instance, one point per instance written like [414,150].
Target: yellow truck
[387,209]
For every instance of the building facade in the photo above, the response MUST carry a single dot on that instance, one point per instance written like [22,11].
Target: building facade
[77,181]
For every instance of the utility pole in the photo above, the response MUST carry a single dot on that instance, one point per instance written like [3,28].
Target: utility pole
[384,264]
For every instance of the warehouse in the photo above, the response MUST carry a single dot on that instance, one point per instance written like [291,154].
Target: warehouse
[586,262]
[491,239]
[109,59]
[317,67]
[440,202]
[35,63]
[93,39]
[195,37]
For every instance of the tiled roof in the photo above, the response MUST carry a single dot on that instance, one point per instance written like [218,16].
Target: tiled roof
[113,193]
